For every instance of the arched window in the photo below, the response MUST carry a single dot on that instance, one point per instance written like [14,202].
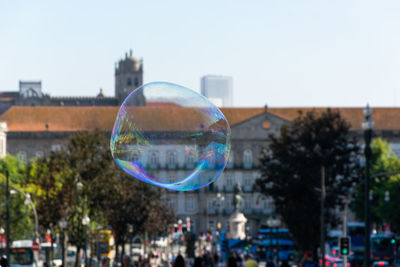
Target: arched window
[189,203]
[230,161]
[129,82]
[134,156]
[153,160]
[171,203]
[189,160]
[247,159]
[171,159]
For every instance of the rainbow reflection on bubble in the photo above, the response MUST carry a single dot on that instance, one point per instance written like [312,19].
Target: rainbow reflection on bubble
[170,136]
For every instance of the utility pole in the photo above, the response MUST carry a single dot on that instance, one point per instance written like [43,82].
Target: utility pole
[323,195]
[367,126]
[346,204]
[7,219]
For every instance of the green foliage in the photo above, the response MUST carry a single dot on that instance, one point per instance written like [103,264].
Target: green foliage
[291,172]
[383,160]
[21,217]
[50,179]
[108,196]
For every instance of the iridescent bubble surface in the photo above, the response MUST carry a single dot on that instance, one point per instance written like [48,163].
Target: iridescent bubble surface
[171,136]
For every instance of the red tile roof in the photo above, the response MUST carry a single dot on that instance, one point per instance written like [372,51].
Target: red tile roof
[33,119]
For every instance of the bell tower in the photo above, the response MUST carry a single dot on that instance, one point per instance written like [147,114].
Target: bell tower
[128,77]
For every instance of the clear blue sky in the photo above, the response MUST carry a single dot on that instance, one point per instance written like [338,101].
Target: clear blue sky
[281,52]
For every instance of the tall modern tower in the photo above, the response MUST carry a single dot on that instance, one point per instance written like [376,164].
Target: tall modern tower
[218,89]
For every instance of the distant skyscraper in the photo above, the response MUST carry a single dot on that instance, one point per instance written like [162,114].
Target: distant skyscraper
[218,89]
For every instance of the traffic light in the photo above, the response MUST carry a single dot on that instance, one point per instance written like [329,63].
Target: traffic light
[344,246]
[393,241]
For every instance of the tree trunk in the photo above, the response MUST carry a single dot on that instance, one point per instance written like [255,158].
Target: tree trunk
[123,249]
[116,251]
[65,250]
[50,255]
[78,257]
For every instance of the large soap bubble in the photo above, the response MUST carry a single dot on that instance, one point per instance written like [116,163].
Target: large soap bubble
[170,136]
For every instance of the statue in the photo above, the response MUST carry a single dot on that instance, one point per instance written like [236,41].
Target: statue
[237,220]
[237,199]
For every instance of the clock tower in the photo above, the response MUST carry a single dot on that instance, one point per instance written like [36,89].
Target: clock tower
[128,77]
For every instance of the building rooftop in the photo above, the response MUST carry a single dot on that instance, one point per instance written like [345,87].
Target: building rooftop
[83,118]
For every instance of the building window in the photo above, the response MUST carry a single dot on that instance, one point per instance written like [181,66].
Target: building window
[136,82]
[229,181]
[228,202]
[210,204]
[129,82]
[211,225]
[171,179]
[134,156]
[230,161]
[171,204]
[171,159]
[56,147]
[22,156]
[189,203]
[189,160]
[268,203]
[247,203]
[247,180]
[153,160]
[247,159]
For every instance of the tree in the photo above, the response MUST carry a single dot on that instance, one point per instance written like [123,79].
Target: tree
[53,195]
[138,204]
[21,222]
[291,172]
[110,196]
[383,160]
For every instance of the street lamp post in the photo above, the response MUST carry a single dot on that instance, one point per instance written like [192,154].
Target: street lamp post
[274,223]
[28,202]
[85,223]
[367,127]
[219,202]
[63,225]
[387,199]
[7,219]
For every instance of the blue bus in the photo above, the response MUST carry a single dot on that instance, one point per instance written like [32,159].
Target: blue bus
[275,243]
[383,248]
[356,232]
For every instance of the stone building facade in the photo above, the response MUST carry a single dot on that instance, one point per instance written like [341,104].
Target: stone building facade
[128,76]
[34,131]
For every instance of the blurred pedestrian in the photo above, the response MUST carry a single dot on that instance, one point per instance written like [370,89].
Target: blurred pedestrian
[308,260]
[4,261]
[270,263]
[179,261]
[198,262]
[126,261]
[250,262]
[215,260]
[239,260]
[231,262]
[105,262]
[285,263]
